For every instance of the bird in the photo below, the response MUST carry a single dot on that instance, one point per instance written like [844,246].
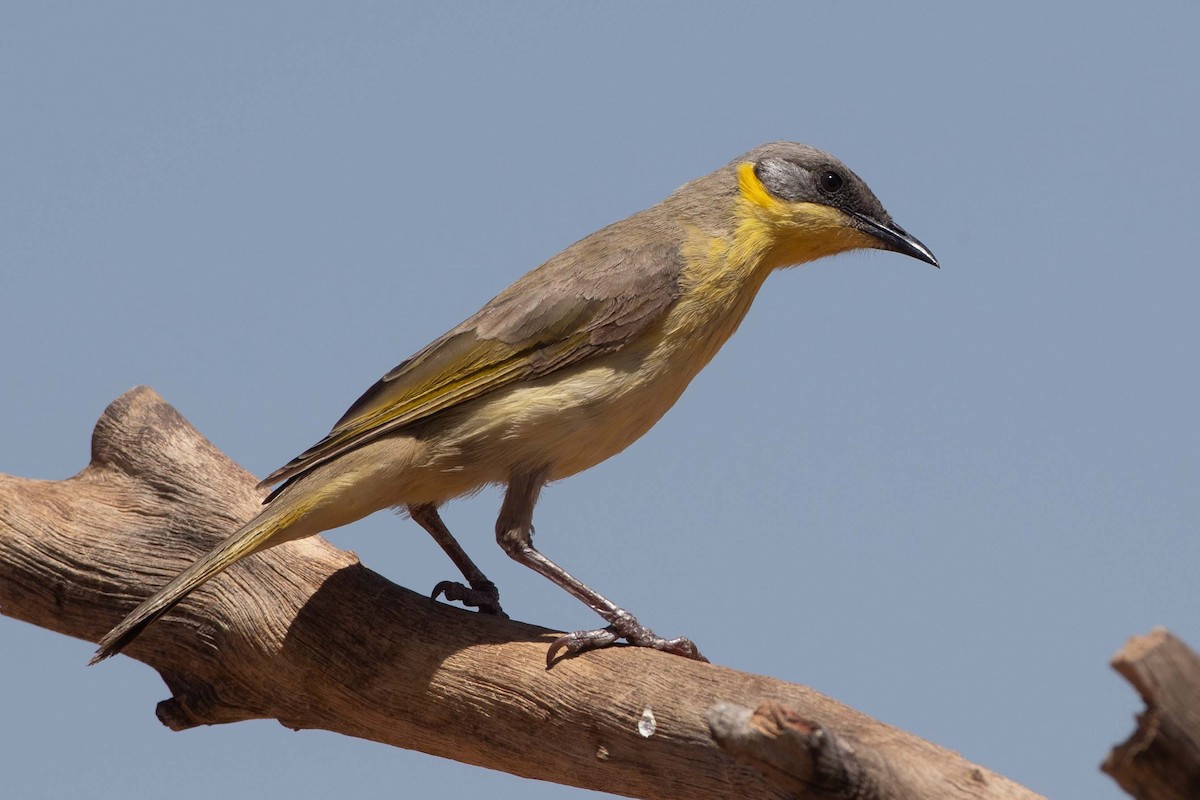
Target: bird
[562,370]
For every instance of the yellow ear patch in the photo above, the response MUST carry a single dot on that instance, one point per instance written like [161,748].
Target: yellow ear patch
[752,189]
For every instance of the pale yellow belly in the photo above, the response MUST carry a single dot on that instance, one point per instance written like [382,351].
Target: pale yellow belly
[570,421]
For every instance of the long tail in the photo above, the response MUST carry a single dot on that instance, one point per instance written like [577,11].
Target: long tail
[255,535]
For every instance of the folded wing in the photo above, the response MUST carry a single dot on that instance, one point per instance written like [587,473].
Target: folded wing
[588,301]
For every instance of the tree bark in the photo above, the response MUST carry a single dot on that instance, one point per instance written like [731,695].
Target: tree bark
[306,635]
[1161,760]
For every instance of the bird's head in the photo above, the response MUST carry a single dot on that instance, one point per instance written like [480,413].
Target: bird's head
[797,204]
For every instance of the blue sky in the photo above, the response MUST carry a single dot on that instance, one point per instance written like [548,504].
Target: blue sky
[956,491]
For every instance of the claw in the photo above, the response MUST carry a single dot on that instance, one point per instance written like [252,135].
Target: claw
[581,641]
[485,596]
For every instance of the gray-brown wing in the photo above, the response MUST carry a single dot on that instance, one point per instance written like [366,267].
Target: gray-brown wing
[591,299]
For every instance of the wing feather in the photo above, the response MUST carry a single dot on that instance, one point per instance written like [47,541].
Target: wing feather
[591,299]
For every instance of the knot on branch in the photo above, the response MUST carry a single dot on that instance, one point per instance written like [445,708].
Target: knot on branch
[196,703]
[799,755]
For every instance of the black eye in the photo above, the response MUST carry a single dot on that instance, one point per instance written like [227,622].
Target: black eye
[831,181]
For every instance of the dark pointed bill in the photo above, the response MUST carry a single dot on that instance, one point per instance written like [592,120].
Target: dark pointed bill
[896,239]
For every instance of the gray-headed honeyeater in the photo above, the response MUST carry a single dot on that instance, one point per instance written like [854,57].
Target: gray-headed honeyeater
[561,370]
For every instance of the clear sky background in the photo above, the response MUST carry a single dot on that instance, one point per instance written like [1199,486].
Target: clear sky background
[955,492]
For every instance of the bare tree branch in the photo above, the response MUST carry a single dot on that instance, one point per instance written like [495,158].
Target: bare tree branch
[306,635]
[1161,760]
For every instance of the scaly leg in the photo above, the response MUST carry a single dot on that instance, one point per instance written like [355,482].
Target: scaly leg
[514,532]
[482,593]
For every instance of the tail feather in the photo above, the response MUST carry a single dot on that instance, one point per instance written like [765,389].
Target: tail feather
[254,536]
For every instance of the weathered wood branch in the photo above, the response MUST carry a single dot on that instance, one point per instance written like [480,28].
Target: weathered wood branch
[800,756]
[306,635]
[1161,760]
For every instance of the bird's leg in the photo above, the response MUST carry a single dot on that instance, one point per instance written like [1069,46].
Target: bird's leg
[481,593]
[514,532]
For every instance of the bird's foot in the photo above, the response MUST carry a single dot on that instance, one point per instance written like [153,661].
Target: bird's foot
[482,595]
[624,626]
